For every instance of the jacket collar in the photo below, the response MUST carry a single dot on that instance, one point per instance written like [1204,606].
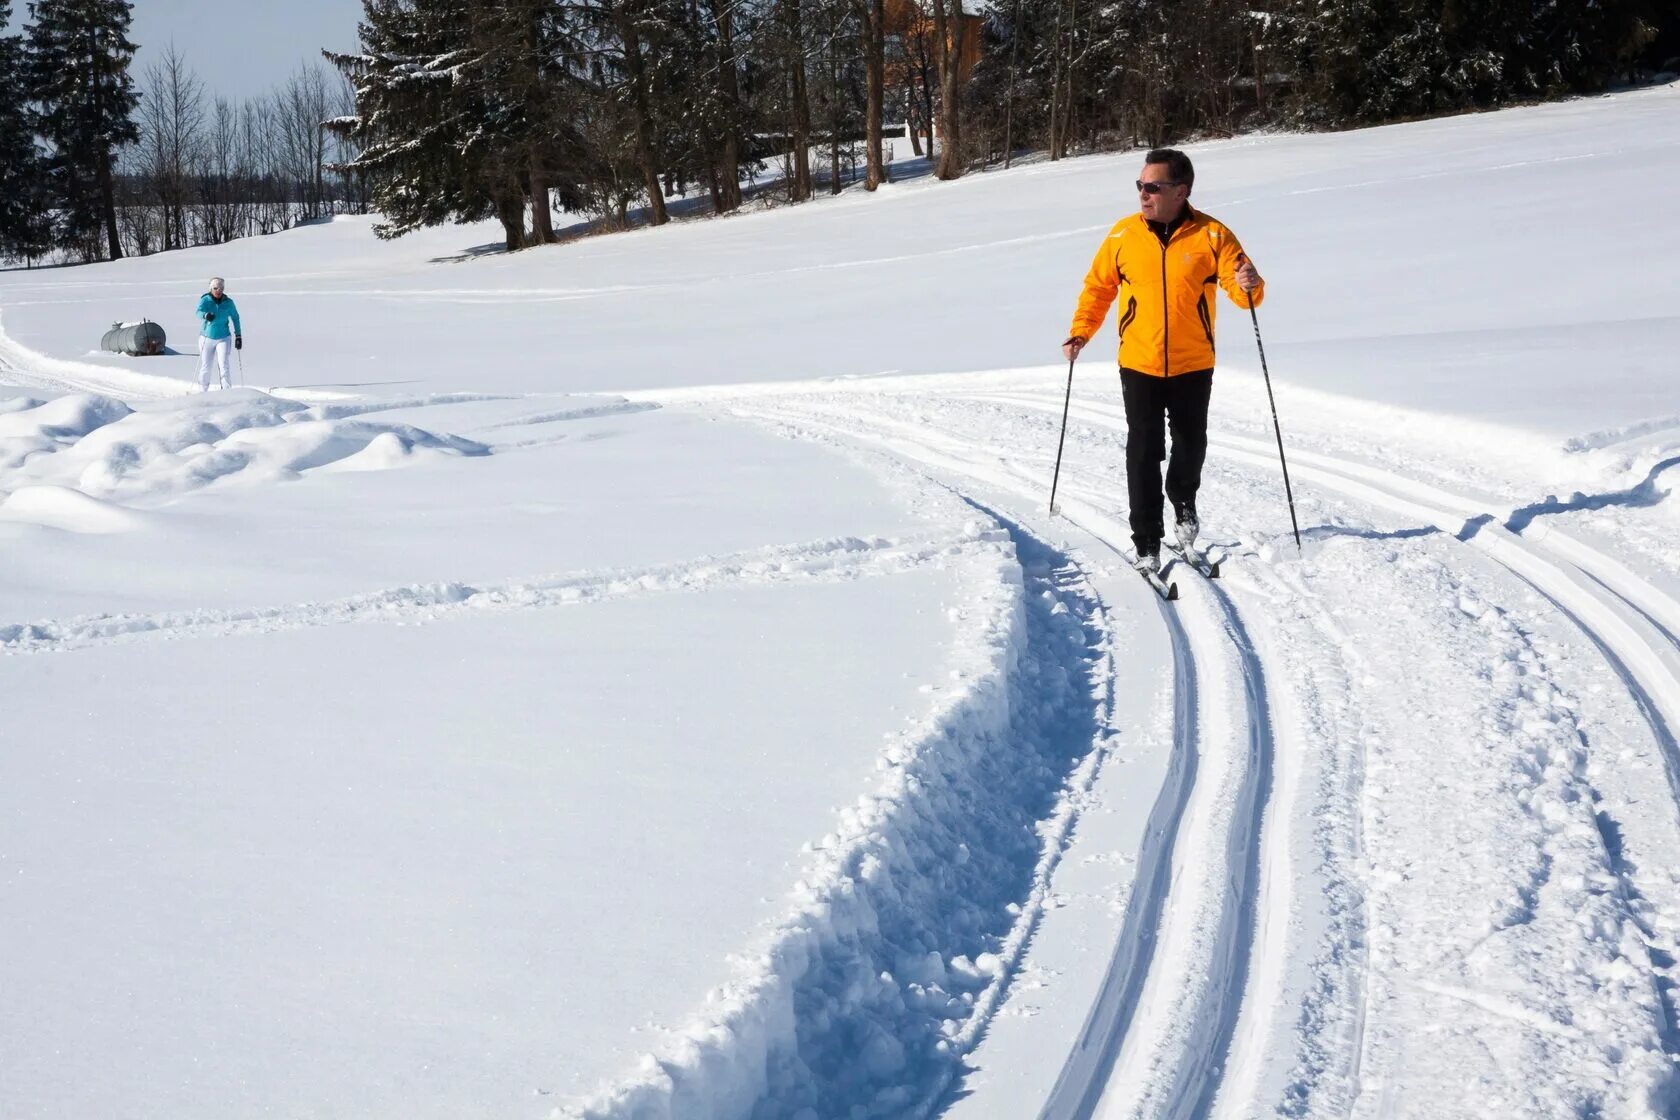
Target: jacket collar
[1165,230]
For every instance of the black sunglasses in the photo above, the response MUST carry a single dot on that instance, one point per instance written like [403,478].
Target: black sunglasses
[1156,188]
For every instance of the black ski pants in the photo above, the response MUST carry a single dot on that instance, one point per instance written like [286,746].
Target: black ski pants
[1153,404]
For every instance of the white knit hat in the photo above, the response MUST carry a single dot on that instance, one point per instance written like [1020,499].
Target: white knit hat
[216,282]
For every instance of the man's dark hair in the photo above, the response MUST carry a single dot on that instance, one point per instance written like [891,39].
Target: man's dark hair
[1178,164]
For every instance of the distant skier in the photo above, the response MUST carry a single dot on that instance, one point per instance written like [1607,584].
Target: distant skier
[219,334]
[1166,257]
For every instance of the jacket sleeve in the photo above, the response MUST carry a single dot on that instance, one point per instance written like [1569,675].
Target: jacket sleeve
[1101,284]
[1231,257]
[203,302]
[233,314]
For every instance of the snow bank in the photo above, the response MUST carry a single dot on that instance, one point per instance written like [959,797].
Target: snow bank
[59,507]
[103,449]
[912,911]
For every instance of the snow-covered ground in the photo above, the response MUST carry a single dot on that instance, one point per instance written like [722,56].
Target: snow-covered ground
[639,678]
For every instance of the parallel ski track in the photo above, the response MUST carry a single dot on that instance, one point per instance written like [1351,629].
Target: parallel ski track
[1207,634]
[1633,622]
[1634,625]
[1198,1078]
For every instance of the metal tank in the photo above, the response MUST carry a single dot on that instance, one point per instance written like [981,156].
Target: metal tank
[137,340]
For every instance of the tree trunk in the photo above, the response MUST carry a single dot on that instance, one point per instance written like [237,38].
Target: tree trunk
[1056,85]
[1009,111]
[801,105]
[657,214]
[729,88]
[108,199]
[542,217]
[950,29]
[510,211]
[875,66]
[912,119]
[927,103]
[1073,60]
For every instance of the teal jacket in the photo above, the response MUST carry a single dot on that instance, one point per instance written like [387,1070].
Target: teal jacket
[223,310]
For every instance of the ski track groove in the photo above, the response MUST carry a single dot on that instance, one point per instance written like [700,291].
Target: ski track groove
[1085,1073]
[1195,1080]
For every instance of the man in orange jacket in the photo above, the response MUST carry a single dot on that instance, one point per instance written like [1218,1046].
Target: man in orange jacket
[1164,261]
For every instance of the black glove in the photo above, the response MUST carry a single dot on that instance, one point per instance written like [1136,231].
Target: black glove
[209,316]
[239,342]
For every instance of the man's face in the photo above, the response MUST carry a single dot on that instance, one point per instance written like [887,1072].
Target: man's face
[216,289]
[1164,205]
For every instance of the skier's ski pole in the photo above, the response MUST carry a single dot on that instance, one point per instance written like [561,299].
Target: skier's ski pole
[1276,427]
[1068,400]
[241,354]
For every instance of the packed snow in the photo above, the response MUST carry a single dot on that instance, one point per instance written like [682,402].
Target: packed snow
[641,677]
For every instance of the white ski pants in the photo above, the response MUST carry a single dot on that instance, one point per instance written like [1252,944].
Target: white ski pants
[221,351]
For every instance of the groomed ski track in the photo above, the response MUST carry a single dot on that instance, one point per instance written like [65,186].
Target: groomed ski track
[1175,980]
[1201,1011]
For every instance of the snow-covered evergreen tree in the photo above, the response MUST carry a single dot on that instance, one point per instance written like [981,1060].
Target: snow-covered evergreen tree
[465,110]
[24,229]
[77,68]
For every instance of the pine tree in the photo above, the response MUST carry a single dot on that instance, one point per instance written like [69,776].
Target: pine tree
[77,64]
[24,229]
[461,112]
[409,123]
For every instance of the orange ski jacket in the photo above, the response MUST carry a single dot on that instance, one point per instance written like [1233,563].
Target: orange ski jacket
[1166,291]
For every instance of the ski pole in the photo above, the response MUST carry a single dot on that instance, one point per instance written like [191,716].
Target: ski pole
[1068,400]
[241,354]
[1276,427]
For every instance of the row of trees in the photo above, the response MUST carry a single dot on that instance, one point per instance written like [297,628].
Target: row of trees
[467,109]
[471,109]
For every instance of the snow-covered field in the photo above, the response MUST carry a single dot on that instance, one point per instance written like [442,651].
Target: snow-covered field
[639,678]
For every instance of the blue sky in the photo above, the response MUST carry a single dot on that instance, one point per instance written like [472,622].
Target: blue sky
[239,48]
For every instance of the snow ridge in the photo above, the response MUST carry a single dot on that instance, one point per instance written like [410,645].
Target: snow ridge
[107,451]
[832,559]
[914,911]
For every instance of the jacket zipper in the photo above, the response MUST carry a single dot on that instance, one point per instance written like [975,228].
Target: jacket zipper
[1166,316]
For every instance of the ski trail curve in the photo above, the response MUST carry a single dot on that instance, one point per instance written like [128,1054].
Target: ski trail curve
[1168,1036]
